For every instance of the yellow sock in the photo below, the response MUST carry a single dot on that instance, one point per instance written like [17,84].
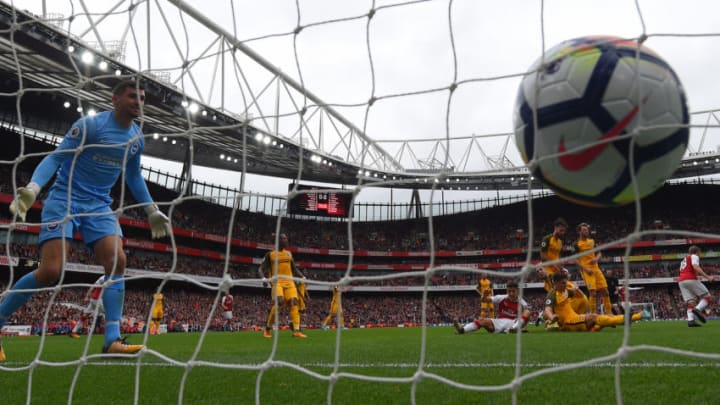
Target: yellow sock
[271,317]
[342,321]
[295,317]
[592,303]
[327,320]
[610,320]
[607,305]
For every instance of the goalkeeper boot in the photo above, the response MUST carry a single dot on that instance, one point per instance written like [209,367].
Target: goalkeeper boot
[74,335]
[2,353]
[267,334]
[699,315]
[120,346]
[459,330]
[693,324]
[298,334]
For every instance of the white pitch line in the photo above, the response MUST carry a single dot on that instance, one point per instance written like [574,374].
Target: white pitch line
[411,365]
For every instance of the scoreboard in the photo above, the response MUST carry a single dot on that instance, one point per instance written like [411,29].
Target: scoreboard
[320,201]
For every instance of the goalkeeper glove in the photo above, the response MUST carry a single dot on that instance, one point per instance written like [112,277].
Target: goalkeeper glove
[159,222]
[24,199]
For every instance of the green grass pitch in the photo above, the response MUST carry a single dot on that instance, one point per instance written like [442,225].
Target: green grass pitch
[298,371]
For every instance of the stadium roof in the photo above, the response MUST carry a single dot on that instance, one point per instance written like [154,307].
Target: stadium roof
[56,81]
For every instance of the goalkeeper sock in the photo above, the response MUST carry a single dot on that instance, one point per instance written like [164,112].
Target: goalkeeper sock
[295,317]
[13,301]
[113,299]
[327,320]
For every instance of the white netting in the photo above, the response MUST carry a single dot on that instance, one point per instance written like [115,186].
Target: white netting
[421,88]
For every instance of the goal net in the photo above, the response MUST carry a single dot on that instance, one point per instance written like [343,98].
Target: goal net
[296,118]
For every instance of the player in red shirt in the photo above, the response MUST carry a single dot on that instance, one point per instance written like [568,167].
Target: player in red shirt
[692,289]
[93,301]
[512,313]
[227,306]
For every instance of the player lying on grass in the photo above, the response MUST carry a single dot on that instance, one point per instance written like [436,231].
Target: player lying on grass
[558,308]
[512,313]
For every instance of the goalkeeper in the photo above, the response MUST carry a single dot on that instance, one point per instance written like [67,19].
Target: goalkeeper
[87,163]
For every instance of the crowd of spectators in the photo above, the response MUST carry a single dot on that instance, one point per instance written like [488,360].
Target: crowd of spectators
[189,310]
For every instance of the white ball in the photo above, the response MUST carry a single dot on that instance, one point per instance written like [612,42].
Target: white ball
[590,101]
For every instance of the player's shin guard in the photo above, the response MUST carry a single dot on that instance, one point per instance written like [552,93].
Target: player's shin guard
[15,300]
[295,317]
[113,299]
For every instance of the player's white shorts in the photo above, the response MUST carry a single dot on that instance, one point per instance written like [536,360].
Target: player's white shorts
[92,304]
[502,324]
[692,289]
[227,314]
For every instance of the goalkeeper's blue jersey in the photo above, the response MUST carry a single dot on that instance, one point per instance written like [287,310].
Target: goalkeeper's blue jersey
[103,149]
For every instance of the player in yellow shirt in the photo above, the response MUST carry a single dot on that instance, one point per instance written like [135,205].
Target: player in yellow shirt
[335,309]
[558,308]
[550,249]
[487,308]
[590,270]
[279,266]
[157,313]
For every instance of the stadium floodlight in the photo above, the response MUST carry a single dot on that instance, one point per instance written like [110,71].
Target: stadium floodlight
[79,109]
[367,173]
[204,113]
[282,146]
[258,137]
[117,72]
[235,160]
[229,158]
[174,141]
[156,135]
[87,57]
[91,112]
[222,156]
[184,103]
[330,163]
[193,108]
[266,140]
[164,138]
[71,48]
[66,104]
[103,65]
